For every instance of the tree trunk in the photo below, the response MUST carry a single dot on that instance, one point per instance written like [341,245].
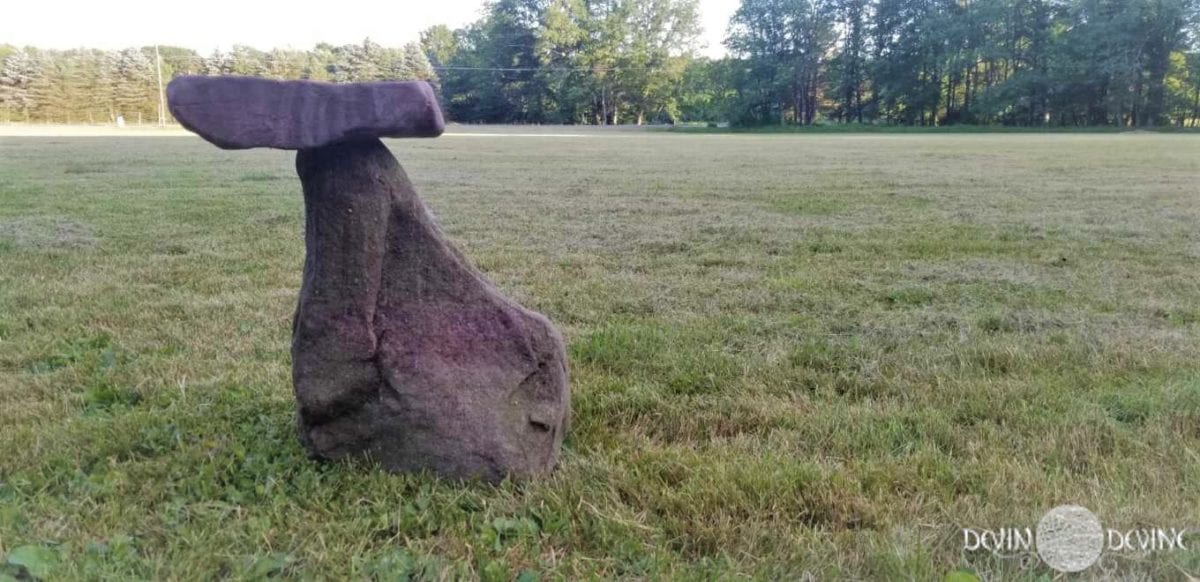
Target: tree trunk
[603,106]
[967,89]
[812,94]
[1136,112]
[858,104]
[1196,108]
[937,98]
[798,105]
[951,86]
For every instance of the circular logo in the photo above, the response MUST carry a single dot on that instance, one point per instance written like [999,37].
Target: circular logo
[1069,538]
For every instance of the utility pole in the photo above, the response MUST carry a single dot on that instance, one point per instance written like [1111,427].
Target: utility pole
[162,97]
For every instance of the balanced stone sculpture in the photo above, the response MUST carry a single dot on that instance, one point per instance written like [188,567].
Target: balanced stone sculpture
[401,350]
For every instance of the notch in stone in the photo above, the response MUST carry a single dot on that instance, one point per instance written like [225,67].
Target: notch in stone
[249,112]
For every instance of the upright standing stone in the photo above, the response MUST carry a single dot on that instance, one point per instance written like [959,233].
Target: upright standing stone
[401,350]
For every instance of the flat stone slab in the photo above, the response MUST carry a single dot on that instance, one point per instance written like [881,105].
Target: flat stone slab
[249,112]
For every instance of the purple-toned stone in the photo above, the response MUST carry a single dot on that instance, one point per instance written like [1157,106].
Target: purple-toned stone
[402,351]
[250,112]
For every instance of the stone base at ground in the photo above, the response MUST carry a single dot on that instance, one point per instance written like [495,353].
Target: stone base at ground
[401,349]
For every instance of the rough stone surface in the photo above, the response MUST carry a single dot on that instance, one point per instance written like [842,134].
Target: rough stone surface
[249,112]
[401,349]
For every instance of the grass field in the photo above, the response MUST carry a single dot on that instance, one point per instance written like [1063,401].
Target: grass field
[792,357]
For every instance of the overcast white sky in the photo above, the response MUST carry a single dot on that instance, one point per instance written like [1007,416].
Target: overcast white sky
[207,24]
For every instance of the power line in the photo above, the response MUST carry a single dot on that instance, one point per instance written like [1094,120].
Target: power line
[551,69]
[229,58]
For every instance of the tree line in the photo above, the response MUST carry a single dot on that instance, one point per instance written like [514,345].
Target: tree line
[94,86]
[898,62]
[911,62]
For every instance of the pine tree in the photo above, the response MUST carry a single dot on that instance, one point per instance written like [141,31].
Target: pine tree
[134,84]
[47,90]
[284,64]
[104,84]
[366,62]
[319,63]
[245,60]
[417,65]
[342,66]
[80,72]
[18,73]
[399,68]
[218,63]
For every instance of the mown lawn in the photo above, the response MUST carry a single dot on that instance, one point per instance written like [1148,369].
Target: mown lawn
[792,357]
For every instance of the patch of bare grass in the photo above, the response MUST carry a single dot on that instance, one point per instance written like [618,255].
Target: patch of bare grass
[45,232]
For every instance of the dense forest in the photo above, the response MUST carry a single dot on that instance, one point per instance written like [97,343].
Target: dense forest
[94,86]
[898,62]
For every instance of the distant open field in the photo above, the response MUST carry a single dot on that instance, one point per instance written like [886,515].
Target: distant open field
[792,357]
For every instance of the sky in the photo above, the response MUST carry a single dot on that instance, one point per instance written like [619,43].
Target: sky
[210,24]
